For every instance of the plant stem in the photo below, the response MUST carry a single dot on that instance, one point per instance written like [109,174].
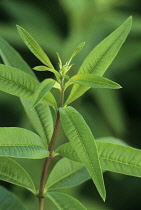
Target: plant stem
[47,160]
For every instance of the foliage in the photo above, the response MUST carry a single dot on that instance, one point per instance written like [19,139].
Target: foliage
[16,78]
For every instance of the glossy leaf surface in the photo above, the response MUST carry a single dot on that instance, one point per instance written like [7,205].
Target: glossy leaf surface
[39,116]
[64,201]
[101,57]
[66,173]
[83,143]
[34,47]
[11,171]
[94,81]
[8,201]
[41,91]
[21,143]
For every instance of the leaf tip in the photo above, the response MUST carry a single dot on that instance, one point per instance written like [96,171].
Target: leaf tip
[103,195]
[18,27]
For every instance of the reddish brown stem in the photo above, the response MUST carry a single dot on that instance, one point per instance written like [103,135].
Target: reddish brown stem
[50,149]
[47,162]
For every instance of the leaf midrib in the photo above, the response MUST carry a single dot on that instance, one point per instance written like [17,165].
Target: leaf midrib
[19,145]
[43,124]
[21,184]
[102,55]
[77,81]
[36,50]
[85,152]
[63,177]
[120,162]
[16,84]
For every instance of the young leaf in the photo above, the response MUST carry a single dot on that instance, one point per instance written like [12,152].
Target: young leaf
[57,86]
[18,83]
[41,117]
[77,50]
[9,201]
[34,47]
[64,201]
[21,143]
[113,157]
[45,68]
[83,143]
[66,173]
[41,91]
[101,57]
[94,81]
[11,171]
[60,61]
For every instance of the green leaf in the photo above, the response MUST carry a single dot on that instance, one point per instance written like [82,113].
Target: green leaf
[114,157]
[94,81]
[45,68]
[64,201]
[101,57]
[66,173]
[83,143]
[66,150]
[8,201]
[11,171]
[12,58]
[41,91]
[120,159]
[57,86]
[41,117]
[18,83]
[77,50]
[111,139]
[21,143]
[34,47]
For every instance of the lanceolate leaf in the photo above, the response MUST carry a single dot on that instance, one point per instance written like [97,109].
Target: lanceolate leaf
[45,68]
[9,201]
[41,119]
[11,171]
[21,143]
[64,201]
[41,91]
[77,50]
[83,143]
[40,116]
[101,57]
[94,81]
[66,173]
[34,47]
[18,83]
[113,157]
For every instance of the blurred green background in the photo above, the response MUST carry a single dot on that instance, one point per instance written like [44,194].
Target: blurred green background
[59,26]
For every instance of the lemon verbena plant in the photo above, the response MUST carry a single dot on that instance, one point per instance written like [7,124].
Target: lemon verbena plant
[83,158]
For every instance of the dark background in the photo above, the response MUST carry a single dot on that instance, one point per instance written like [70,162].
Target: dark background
[59,26]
